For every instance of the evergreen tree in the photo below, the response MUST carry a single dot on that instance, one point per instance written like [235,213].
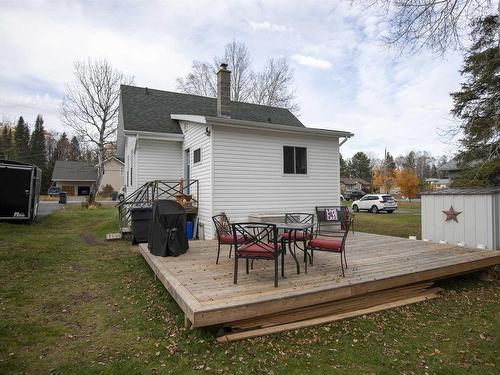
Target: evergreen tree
[359,166]
[434,171]
[38,151]
[389,161]
[62,151]
[75,152]
[22,141]
[477,106]
[343,167]
[6,141]
[410,160]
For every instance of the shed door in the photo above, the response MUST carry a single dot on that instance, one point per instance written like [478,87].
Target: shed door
[69,189]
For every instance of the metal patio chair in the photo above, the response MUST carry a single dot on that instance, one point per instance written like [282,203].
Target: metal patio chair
[224,234]
[331,235]
[260,242]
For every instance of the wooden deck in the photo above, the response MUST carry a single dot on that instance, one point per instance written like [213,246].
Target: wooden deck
[207,295]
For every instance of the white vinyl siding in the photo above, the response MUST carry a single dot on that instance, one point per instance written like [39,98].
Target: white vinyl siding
[130,175]
[195,138]
[158,160]
[478,222]
[249,178]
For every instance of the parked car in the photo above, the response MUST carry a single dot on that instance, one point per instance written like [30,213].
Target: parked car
[54,190]
[375,203]
[354,194]
[121,193]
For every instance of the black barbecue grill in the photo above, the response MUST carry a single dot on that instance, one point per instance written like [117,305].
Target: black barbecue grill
[167,234]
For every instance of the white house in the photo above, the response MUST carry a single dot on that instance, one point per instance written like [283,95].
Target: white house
[112,173]
[248,158]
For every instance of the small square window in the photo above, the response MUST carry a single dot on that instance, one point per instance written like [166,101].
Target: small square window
[294,160]
[197,156]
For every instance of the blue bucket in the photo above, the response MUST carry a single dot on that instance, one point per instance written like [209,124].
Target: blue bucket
[189,230]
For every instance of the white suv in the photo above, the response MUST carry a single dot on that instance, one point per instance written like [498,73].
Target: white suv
[375,203]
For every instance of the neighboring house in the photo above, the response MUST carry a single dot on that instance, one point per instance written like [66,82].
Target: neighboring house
[74,177]
[247,158]
[437,183]
[113,173]
[450,169]
[349,184]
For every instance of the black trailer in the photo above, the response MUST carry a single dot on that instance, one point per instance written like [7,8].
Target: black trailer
[19,190]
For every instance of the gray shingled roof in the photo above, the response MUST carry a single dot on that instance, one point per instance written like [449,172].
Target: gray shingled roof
[465,191]
[149,110]
[353,181]
[73,171]
[449,166]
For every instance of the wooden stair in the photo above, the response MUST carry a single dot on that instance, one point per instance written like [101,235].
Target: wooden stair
[125,233]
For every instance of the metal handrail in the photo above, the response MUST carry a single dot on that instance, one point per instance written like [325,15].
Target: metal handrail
[151,191]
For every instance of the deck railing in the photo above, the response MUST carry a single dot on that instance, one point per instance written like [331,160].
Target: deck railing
[185,192]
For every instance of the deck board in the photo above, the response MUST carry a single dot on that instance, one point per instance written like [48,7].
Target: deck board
[207,295]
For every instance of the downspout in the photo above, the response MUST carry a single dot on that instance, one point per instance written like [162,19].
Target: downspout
[344,140]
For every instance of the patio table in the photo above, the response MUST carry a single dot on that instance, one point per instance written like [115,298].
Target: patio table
[293,228]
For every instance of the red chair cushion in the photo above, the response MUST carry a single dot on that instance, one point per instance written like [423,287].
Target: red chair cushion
[229,239]
[326,244]
[299,236]
[257,250]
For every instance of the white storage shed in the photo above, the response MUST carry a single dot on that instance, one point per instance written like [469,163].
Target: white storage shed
[466,216]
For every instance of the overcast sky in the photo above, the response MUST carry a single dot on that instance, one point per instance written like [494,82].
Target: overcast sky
[345,78]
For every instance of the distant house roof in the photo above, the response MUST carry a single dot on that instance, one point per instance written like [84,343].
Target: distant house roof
[353,181]
[438,180]
[449,166]
[465,191]
[145,109]
[73,171]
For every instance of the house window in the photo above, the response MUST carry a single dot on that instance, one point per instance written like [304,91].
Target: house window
[197,156]
[294,160]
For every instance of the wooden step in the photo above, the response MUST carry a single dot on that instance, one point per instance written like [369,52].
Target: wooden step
[113,236]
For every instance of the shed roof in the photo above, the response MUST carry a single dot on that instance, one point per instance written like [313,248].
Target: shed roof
[69,170]
[465,191]
[146,109]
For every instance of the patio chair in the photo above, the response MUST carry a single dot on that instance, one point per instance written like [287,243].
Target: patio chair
[224,234]
[328,236]
[338,215]
[260,242]
[298,236]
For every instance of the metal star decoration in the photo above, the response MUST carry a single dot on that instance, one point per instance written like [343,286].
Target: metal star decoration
[451,214]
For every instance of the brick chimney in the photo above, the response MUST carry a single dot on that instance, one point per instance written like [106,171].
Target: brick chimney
[223,91]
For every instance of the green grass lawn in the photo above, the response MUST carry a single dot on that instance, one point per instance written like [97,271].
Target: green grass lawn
[403,222]
[72,303]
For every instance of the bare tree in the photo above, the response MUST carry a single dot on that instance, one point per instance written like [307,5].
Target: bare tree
[237,57]
[271,87]
[200,81]
[436,24]
[90,107]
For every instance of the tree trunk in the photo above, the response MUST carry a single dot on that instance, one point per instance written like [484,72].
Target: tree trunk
[95,187]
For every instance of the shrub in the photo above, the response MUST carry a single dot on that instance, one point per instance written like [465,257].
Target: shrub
[106,191]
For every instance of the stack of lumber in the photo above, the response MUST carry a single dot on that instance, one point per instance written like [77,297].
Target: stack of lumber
[329,312]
